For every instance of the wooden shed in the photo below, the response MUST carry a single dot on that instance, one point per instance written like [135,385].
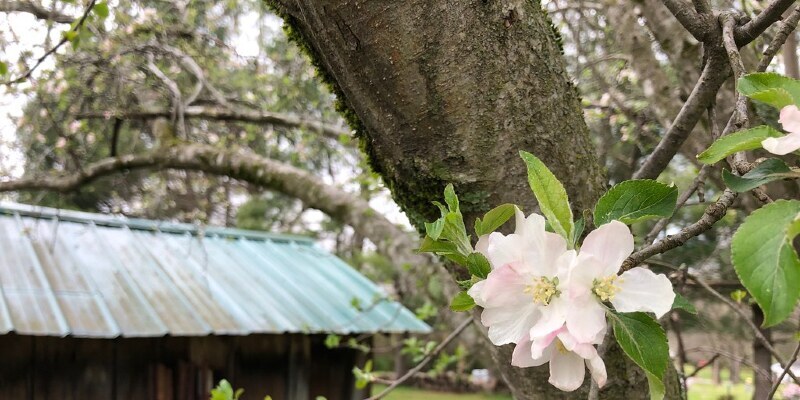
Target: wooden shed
[99,307]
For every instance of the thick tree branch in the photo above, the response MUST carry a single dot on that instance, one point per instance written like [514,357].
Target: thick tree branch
[36,10]
[787,27]
[249,167]
[223,114]
[751,30]
[686,14]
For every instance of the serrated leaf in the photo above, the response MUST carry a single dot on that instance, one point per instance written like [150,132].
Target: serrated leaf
[430,245]
[550,194]
[434,229]
[777,97]
[682,303]
[462,302]
[644,341]
[636,200]
[478,265]
[450,198]
[747,139]
[770,170]
[753,84]
[765,260]
[493,219]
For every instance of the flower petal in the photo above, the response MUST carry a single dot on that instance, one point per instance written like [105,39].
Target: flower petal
[552,318]
[598,370]
[476,292]
[523,357]
[509,324]
[782,145]
[644,290]
[540,345]
[585,319]
[790,119]
[566,370]
[585,350]
[505,249]
[482,246]
[503,286]
[611,243]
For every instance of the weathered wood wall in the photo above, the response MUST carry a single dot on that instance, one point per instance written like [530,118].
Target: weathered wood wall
[292,367]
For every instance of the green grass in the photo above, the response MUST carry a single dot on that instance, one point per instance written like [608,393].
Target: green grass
[407,393]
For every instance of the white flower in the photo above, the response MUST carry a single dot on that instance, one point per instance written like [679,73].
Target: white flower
[528,267]
[566,356]
[790,120]
[593,280]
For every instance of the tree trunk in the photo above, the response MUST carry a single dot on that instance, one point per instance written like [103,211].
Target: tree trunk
[449,92]
[761,358]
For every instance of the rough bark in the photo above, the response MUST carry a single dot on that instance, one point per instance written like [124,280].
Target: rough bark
[443,91]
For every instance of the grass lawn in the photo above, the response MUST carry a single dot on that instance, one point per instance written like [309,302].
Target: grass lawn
[407,393]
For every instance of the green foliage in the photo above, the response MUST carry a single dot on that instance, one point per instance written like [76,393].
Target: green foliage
[3,68]
[332,341]
[644,341]
[747,139]
[478,265]
[101,9]
[765,259]
[417,349]
[494,219]
[636,200]
[364,376]
[770,88]
[447,236]
[426,311]
[224,391]
[551,195]
[769,170]
[684,304]
[462,302]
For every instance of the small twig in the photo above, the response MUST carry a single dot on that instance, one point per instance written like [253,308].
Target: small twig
[733,357]
[700,368]
[425,360]
[684,197]
[785,371]
[751,30]
[728,22]
[55,48]
[756,331]
[787,27]
[713,213]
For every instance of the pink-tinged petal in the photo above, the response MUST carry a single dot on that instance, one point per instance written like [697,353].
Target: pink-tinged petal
[585,319]
[476,292]
[566,370]
[611,244]
[505,249]
[531,228]
[790,119]
[552,318]
[598,370]
[503,286]
[782,145]
[585,350]
[482,246]
[523,357]
[541,344]
[509,324]
[643,290]
[585,269]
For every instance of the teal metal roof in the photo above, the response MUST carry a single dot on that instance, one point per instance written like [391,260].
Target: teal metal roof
[67,273]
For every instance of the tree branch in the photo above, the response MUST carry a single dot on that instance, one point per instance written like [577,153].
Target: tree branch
[787,27]
[36,10]
[688,17]
[222,114]
[786,370]
[751,30]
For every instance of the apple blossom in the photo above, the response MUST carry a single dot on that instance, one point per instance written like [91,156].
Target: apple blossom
[528,267]
[566,356]
[593,280]
[790,120]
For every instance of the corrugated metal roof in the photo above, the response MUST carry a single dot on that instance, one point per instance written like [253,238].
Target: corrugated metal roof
[67,273]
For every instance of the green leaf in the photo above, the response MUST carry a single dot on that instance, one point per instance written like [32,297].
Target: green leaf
[462,302]
[434,229]
[636,200]
[770,170]
[765,260]
[580,225]
[756,84]
[644,341]
[101,9]
[493,219]
[550,194]
[70,35]
[682,303]
[657,389]
[777,97]
[747,139]
[478,265]
[3,68]
[450,198]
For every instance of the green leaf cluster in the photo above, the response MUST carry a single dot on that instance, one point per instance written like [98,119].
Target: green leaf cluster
[224,391]
[636,200]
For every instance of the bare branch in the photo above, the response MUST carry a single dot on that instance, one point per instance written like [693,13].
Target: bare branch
[751,30]
[688,17]
[36,10]
[684,197]
[786,370]
[711,215]
[787,27]
[27,74]
[222,114]
[424,361]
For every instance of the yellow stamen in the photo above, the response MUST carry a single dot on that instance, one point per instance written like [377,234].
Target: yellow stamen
[543,290]
[606,288]
[560,347]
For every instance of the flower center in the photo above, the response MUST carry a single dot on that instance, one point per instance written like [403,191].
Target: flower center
[606,288]
[560,347]
[543,290]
